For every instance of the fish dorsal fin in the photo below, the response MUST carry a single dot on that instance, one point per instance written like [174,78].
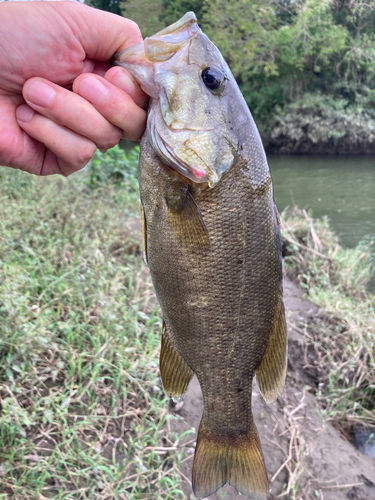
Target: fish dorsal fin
[175,373]
[271,372]
[188,223]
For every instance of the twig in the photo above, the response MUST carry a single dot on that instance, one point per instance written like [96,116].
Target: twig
[280,469]
[169,470]
[129,376]
[182,475]
[339,486]
[304,247]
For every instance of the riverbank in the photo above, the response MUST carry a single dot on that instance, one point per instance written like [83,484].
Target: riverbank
[320,125]
[335,279]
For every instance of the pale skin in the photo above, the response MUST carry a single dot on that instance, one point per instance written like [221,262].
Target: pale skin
[60,99]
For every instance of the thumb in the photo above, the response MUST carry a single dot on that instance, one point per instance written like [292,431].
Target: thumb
[100,33]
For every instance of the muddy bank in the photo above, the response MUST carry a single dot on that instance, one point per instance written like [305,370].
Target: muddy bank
[306,457]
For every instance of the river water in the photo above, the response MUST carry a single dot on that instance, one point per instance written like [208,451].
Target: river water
[342,188]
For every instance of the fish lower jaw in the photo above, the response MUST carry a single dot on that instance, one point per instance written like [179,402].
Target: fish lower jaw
[194,176]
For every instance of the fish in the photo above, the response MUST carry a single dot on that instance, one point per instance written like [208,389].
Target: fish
[211,239]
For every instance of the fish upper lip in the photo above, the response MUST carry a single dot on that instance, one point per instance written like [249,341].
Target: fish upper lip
[187,129]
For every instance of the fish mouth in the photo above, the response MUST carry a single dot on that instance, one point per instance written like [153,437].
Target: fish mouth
[179,157]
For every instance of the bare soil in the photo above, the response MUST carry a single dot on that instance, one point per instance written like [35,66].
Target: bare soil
[306,457]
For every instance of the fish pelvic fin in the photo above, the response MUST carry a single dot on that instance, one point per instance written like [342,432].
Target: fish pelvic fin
[175,373]
[270,374]
[238,461]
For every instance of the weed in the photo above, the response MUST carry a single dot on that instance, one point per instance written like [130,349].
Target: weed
[82,411]
[336,279]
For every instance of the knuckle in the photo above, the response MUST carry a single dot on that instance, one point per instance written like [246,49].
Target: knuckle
[85,153]
[111,141]
[132,135]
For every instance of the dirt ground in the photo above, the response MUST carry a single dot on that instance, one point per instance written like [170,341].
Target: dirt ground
[306,458]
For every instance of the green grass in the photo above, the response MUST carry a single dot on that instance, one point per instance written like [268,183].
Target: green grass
[342,337]
[82,413]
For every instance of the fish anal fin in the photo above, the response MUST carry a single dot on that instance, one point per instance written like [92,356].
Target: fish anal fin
[175,373]
[270,374]
[238,461]
[144,234]
[188,223]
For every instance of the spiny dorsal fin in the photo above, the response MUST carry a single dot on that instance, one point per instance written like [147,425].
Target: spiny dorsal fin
[271,372]
[175,373]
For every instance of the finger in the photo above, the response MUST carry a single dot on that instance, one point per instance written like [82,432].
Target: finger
[70,110]
[97,67]
[72,151]
[18,149]
[11,138]
[113,103]
[124,81]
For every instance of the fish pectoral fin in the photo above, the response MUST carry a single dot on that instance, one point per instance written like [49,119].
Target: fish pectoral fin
[175,373]
[221,459]
[271,372]
[189,225]
[144,234]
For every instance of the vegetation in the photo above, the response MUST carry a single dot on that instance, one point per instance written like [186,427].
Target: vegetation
[342,338]
[321,124]
[286,55]
[82,412]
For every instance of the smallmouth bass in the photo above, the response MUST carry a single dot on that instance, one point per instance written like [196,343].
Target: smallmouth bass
[212,243]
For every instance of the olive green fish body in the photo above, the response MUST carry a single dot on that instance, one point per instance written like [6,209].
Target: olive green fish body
[212,243]
[221,298]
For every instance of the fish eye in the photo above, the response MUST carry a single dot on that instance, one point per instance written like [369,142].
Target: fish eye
[213,78]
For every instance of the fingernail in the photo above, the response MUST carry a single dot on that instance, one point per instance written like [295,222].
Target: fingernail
[123,81]
[39,93]
[24,113]
[92,89]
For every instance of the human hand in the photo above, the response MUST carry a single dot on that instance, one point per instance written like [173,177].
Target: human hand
[47,48]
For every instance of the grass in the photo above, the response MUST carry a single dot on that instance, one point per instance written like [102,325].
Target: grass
[342,337]
[82,413]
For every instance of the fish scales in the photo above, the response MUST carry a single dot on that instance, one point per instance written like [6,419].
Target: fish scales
[212,243]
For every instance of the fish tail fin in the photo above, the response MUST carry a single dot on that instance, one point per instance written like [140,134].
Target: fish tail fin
[238,461]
